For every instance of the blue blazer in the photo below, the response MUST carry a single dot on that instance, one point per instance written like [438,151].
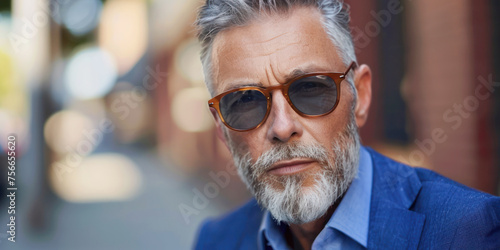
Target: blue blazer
[410,208]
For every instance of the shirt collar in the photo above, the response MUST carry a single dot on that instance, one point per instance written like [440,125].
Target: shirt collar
[271,232]
[351,216]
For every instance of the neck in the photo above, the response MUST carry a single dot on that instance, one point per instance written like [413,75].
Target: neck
[303,235]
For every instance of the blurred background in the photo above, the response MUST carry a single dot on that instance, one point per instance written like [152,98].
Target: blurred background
[115,144]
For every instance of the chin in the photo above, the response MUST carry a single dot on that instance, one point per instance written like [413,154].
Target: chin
[299,198]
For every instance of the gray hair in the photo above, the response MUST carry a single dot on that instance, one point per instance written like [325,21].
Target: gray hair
[218,15]
[285,197]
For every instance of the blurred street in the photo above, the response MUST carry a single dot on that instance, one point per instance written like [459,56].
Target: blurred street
[150,220]
[115,146]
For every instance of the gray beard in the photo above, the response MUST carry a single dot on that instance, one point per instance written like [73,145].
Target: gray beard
[284,196]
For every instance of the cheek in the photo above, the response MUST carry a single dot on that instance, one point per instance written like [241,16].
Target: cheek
[327,128]
[256,147]
[245,142]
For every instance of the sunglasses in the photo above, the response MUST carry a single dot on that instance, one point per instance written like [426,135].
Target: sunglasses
[310,95]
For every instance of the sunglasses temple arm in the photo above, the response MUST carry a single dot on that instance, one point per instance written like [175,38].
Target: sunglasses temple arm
[353,66]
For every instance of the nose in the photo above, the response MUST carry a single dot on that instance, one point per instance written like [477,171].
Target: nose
[283,122]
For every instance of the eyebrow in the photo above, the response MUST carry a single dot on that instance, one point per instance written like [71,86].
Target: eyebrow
[295,73]
[242,85]
[303,71]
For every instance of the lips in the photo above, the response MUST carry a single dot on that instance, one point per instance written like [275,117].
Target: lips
[290,167]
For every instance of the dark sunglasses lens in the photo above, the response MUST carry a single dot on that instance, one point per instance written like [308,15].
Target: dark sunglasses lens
[314,95]
[243,109]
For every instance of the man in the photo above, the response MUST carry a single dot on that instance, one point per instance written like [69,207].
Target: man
[288,102]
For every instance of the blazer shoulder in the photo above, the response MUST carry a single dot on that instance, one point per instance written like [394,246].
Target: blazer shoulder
[457,214]
[228,230]
[479,226]
[441,186]
[432,180]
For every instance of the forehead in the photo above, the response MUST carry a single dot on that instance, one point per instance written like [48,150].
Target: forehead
[271,47]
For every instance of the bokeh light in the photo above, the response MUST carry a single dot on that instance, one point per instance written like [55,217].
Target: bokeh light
[187,62]
[65,130]
[189,110]
[81,16]
[91,73]
[123,31]
[98,178]
[12,123]
[5,28]
[131,112]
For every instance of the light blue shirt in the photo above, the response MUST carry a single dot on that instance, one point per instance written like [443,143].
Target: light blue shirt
[348,226]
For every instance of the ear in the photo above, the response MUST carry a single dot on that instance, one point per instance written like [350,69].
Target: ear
[219,126]
[363,83]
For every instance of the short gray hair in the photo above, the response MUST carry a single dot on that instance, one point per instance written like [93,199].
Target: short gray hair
[218,15]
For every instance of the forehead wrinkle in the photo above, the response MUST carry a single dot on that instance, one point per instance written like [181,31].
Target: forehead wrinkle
[280,72]
[269,73]
[273,38]
[269,53]
[268,46]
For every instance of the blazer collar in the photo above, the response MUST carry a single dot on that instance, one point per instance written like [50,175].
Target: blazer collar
[395,188]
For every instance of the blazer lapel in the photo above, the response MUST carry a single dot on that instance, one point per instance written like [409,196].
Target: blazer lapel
[395,188]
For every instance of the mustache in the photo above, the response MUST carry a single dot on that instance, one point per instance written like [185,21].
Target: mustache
[282,152]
